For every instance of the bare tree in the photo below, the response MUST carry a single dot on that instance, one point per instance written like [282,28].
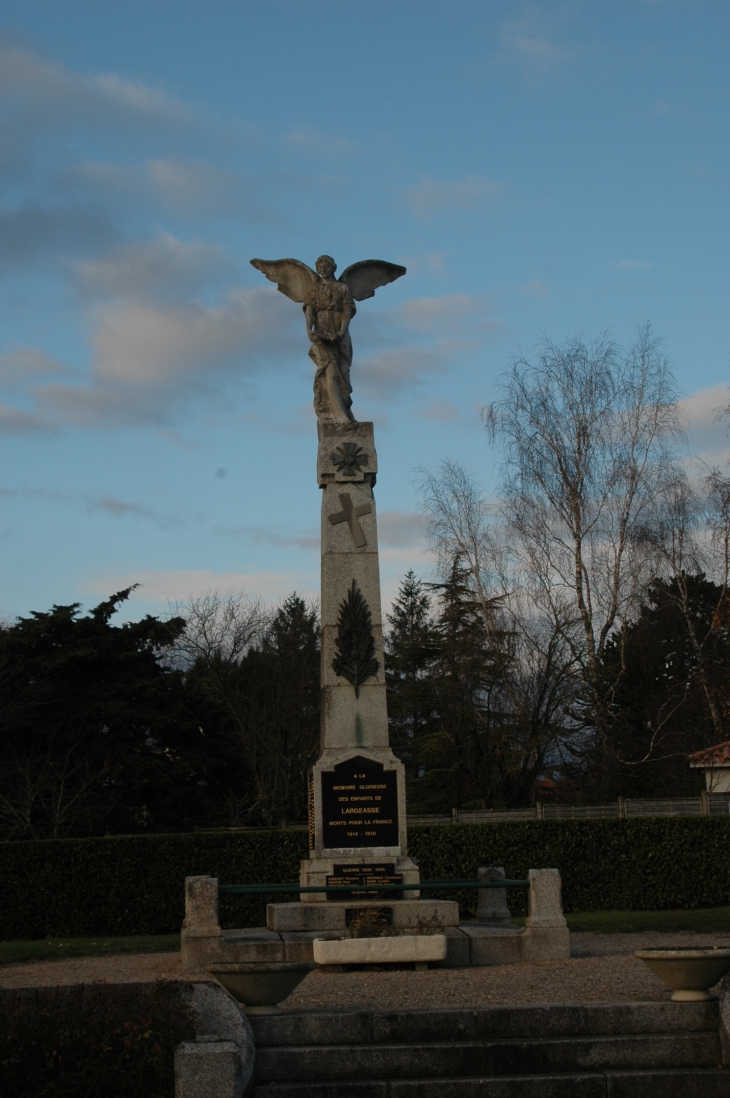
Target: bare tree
[217,624]
[537,666]
[688,531]
[47,793]
[589,436]
[253,679]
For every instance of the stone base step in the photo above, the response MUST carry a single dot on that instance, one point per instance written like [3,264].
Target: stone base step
[415,916]
[676,1083]
[489,1058]
[539,1021]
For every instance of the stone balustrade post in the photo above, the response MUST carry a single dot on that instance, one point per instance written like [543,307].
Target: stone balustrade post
[201,940]
[492,903]
[201,907]
[546,932]
[544,901]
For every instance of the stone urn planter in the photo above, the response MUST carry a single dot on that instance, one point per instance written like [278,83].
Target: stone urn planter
[689,972]
[403,948]
[260,985]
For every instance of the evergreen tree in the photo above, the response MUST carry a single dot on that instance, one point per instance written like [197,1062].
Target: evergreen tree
[670,668]
[410,649]
[259,714]
[456,750]
[94,735]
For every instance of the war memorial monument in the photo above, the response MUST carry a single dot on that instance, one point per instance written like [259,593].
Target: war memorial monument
[357,792]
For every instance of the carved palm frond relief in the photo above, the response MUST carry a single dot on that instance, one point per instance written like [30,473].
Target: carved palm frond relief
[355,659]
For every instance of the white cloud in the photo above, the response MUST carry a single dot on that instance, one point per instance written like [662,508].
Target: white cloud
[430,196]
[180,186]
[708,435]
[42,92]
[148,358]
[536,288]
[397,529]
[530,44]
[112,505]
[162,269]
[444,313]
[699,171]
[47,112]
[381,375]
[109,504]
[431,262]
[394,563]
[405,345]
[633,265]
[153,346]
[266,535]
[316,143]
[26,365]
[438,411]
[177,585]
[34,231]
[18,421]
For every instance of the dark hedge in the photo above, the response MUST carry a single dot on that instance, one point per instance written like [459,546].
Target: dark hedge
[110,1041]
[645,864]
[134,884]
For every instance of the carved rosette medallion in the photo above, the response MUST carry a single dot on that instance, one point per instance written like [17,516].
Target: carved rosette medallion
[349,458]
[355,659]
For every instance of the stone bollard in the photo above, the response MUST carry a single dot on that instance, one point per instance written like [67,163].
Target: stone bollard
[546,932]
[492,907]
[201,939]
[208,1068]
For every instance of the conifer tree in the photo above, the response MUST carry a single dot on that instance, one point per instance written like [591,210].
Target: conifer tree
[458,753]
[409,655]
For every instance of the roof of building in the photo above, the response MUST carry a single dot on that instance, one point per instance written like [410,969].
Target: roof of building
[717,755]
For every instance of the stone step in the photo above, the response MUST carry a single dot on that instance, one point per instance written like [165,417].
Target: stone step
[677,1083]
[508,1056]
[424,1026]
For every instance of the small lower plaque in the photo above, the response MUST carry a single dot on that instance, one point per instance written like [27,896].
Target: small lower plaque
[359,805]
[369,876]
[368,919]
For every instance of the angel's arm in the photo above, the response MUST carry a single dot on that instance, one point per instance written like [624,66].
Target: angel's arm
[365,277]
[292,277]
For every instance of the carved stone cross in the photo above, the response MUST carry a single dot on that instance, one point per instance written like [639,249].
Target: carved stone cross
[350,515]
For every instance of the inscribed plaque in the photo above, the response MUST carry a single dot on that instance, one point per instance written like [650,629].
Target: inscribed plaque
[359,804]
[370,876]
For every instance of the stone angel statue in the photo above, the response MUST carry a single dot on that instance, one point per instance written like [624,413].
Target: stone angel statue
[329,306]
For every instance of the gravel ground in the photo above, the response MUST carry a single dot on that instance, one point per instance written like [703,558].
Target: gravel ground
[602,968]
[118,968]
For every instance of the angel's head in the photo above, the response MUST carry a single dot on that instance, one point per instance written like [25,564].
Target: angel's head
[326,266]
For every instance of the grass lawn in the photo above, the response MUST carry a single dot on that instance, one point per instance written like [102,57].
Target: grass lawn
[45,949]
[704,920]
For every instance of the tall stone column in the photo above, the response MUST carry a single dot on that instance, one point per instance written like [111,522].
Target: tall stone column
[357,790]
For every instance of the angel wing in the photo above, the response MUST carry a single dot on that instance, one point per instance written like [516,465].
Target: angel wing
[292,277]
[365,277]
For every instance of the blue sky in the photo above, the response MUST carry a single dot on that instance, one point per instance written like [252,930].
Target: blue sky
[545,168]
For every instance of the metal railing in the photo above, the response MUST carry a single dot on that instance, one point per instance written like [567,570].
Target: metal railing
[706,804]
[272,889]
